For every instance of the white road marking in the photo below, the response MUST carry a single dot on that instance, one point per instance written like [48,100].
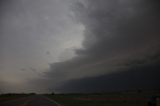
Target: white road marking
[51,100]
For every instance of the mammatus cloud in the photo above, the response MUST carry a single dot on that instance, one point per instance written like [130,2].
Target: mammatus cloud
[121,38]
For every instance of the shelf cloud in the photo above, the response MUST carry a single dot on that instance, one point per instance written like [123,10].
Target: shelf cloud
[120,47]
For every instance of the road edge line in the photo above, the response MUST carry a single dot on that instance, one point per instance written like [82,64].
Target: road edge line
[51,100]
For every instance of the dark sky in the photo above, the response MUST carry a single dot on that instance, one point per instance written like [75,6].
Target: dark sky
[79,45]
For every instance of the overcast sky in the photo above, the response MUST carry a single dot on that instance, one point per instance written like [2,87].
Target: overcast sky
[79,45]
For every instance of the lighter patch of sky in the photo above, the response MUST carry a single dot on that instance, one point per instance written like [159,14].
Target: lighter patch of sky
[36,33]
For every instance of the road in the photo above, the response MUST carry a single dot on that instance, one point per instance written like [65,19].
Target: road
[37,100]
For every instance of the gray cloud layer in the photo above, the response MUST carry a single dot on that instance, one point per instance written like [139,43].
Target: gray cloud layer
[120,35]
[29,29]
[121,44]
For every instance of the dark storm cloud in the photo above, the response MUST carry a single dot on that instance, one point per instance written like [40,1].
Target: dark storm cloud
[121,38]
[2,2]
[139,77]
[119,28]
[141,74]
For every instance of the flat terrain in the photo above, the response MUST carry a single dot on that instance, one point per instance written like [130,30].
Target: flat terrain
[6,97]
[108,99]
[131,98]
[36,100]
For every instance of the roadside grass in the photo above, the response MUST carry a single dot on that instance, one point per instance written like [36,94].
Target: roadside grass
[6,97]
[98,100]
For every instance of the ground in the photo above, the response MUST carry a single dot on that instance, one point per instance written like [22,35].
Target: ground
[106,99]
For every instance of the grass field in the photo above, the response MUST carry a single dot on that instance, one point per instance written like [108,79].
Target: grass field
[110,99]
[6,97]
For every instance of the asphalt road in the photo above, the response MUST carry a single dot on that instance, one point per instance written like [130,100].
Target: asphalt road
[37,100]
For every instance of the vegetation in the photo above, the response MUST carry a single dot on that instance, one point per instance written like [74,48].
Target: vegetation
[108,99]
[11,96]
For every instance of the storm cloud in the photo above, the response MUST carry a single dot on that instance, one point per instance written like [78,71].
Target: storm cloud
[121,38]
[30,28]
[79,45]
